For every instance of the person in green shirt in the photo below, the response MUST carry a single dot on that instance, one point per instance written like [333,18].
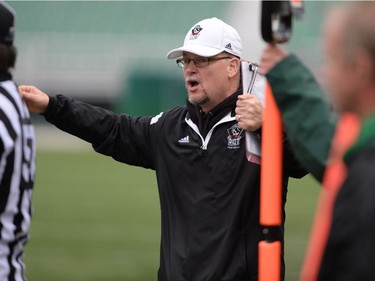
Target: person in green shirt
[349,70]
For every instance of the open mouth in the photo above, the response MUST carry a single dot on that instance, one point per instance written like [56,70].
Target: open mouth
[192,83]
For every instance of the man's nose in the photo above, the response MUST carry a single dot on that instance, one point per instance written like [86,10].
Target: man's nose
[190,66]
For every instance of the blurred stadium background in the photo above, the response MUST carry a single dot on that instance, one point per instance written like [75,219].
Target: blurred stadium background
[96,219]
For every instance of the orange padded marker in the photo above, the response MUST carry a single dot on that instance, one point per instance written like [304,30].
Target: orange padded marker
[271,188]
[271,171]
[269,261]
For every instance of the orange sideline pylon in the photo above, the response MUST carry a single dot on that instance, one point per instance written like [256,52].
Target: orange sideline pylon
[271,171]
[271,188]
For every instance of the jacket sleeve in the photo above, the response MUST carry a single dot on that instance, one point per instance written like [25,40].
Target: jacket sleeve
[291,165]
[125,138]
[307,116]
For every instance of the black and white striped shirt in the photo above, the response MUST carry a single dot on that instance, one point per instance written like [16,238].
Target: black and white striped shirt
[17,171]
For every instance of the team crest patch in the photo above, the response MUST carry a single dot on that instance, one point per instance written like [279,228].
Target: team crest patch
[195,32]
[235,134]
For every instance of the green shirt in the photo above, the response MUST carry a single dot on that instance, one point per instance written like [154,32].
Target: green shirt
[365,138]
[307,115]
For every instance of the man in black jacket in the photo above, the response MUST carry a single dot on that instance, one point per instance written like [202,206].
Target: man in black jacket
[209,192]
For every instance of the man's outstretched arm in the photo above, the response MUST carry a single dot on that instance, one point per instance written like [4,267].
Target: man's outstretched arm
[123,137]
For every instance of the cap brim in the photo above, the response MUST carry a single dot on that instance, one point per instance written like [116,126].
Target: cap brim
[203,51]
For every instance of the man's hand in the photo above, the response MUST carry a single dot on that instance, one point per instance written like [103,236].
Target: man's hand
[249,112]
[271,56]
[35,99]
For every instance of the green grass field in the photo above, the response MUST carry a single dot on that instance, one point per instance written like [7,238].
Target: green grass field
[98,220]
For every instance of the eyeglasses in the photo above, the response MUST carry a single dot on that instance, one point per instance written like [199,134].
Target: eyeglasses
[198,62]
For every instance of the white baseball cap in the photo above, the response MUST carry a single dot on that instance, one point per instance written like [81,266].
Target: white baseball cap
[208,38]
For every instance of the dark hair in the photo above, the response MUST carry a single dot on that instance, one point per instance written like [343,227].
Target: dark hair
[8,54]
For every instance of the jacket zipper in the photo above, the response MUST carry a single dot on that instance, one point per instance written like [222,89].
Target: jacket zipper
[205,141]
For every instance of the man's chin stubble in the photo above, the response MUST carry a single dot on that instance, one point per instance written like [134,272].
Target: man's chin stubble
[200,102]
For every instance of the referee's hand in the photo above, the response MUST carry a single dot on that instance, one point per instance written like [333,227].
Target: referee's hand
[35,99]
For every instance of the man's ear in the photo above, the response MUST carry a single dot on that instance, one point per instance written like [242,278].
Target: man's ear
[364,66]
[233,67]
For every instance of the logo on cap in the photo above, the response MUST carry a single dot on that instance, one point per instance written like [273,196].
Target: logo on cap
[195,32]
[228,46]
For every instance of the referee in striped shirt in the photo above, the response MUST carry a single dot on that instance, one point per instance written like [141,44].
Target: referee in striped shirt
[17,159]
